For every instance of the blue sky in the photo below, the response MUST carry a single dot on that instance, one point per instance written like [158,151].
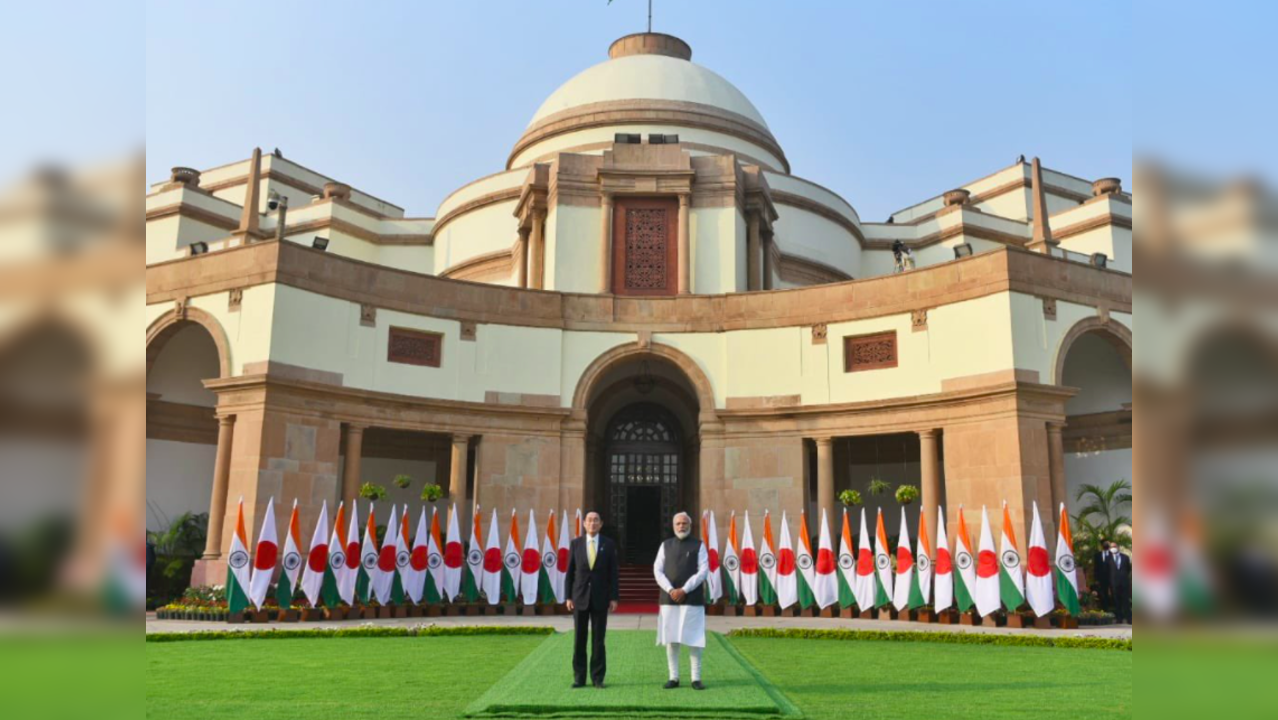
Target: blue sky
[886,103]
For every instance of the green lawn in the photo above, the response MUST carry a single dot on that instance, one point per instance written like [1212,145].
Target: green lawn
[439,677]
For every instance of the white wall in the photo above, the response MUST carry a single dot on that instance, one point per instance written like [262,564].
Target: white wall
[179,479]
[1102,468]
[1103,379]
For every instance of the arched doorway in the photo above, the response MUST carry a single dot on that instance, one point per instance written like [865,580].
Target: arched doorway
[644,465]
[1096,359]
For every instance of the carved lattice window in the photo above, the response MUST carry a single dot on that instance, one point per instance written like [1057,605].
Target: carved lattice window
[413,347]
[647,235]
[869,352]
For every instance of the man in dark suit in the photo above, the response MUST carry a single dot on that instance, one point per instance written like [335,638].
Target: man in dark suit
[1100,576]
[1120,584]
[592,581]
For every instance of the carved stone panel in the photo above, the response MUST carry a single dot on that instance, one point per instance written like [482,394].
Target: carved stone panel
[368,315]
[869,352]
[1049,308]
[645,246]
[414,347]
[918,318]
[819,333]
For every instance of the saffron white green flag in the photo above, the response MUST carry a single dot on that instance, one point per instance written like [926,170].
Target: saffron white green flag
[291,561]
[549,563]
[847,565]
[904,567]
[530,572]
[473,579]
[1011,579]
[492,563]
[883,564]
[561,558]
[866,587]
[454,557]
[384,573]
[268,553]
[943,585]
[1066,570]
[922,591]
[512,562]
[787,586]
[965,561]
[749,566]
[1040,588]
[767,564]
[710,536]
[732,564]
[806,563]
[237,567]
[434,561]
[367,559]
[317,569]
[419,561]
[826,586]
[988,570]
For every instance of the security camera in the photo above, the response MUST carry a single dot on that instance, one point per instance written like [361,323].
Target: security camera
[273,200]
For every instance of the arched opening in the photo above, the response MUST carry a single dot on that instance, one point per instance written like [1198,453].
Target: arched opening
[642,451]
[1098,426]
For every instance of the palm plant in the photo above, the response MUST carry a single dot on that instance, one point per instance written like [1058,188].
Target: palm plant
[1103,513]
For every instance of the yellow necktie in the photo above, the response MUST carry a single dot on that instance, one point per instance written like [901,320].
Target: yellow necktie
[590,549]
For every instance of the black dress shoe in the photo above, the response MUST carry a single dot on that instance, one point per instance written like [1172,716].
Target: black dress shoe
[696,685]
[599,685]
[578,684]
[671,685]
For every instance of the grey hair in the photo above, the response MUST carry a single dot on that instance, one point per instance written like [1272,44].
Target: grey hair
[681,514]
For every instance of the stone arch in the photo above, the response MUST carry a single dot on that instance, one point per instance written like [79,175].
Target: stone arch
[633,351]
[1115,333]
[168,324]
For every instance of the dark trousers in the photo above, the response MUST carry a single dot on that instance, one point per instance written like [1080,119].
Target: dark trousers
[593,623]
[1123,605]
[1105,597]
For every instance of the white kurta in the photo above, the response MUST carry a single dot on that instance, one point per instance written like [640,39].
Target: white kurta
[684,624]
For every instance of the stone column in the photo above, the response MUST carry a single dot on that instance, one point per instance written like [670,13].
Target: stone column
[354,454]
[537,270]
[457,470]
[754,252]
[605,234]
[825,475]
[685,255]
[1056,460]
[767,261]
[221,481]
[521,259]
[930,462]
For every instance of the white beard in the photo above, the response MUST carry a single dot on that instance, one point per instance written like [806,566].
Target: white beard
[683,535]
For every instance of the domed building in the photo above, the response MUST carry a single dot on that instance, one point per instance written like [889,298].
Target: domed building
[645,311]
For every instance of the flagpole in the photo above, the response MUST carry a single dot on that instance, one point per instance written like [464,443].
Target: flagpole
[649,16]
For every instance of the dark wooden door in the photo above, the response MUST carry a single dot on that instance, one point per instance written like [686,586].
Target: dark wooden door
[645,251]
[644,527]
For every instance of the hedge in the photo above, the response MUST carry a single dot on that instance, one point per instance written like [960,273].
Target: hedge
[1091,643]
[356,632]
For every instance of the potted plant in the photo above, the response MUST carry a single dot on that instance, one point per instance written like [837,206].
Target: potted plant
[850,498]
[879,486]
[372,492]
[431,493]
[402,481]
[907,494]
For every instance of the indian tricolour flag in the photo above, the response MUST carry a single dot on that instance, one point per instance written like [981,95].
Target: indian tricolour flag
[806,564]
[530,567]
[418,561]
[474,577]
[576,526]
[562,546]
[988,570]
[847,565]
[825,585]
[944,583]
[317,573]
[1039,590]
[787,586]
[1011,582]
[367,559]
[434,561]
[237,567]
[454,557]
[491,583]
[1066,571]
[384,574]
[866,585]
[331,588]
[883,564]
[767,564]
[403,558]
[549,564]
[922,566]
[749,566]
[268,553]
[965,562]
[286,588]
[732,564]
[905,581]
[511,562]
[710,536]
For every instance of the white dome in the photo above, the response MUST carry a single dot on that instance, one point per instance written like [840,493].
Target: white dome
[648,77]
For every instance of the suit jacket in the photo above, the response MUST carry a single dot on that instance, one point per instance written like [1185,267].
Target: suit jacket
[1100,569]
[593,588]
[1120,577]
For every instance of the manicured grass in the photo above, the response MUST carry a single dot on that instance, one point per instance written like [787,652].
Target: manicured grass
[375,678]
[540,685]
[872,679]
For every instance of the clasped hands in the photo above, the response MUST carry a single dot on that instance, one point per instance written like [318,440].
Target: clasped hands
[678,595]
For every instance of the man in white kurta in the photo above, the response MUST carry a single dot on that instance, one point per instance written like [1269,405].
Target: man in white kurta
[682,559]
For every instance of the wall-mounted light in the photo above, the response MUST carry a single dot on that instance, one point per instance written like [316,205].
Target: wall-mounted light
[1100,260]
[320,243]
[199,248]
[962,251]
